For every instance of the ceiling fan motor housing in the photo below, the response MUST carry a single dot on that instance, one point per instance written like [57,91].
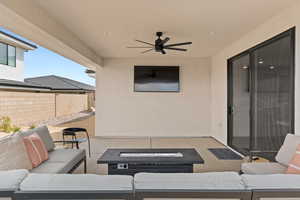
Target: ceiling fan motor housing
[158,45]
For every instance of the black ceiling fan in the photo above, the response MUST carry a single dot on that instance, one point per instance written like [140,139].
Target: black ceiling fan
[160,45]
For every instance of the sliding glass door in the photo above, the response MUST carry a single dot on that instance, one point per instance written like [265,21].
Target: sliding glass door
[273,94]
[261,95]
[239,106]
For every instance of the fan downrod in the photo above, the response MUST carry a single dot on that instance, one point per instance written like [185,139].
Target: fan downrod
[159,34]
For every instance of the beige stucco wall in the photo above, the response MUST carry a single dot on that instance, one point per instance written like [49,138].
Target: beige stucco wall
[123,112]
[283,21]
[67,104]
[29,107]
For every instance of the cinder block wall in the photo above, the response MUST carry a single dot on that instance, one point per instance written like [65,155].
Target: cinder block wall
[29,107]
[67,104]
[26,107]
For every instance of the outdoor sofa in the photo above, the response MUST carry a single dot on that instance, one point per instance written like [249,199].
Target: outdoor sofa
[283,157]
[215,185]
[10,182]
[273,186]
[75,186]
[23,184]
[13,154]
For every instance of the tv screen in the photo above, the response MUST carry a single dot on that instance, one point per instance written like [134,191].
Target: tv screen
[156,79]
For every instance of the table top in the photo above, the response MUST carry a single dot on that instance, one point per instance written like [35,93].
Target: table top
[112,156]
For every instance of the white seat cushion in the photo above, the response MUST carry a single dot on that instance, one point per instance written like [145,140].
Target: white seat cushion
[70,157]
[60,161]
[76,182]
[263,168]
[10,180]
[288,149]
[272,181]
[50,167]
[188,181]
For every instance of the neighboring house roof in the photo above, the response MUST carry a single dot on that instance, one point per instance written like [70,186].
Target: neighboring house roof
[59,83]
[11,84]
[12,40]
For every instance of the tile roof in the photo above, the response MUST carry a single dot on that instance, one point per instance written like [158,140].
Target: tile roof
[59,83]
[13,83]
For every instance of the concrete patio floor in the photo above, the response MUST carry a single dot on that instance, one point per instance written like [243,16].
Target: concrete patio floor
[100,144]
[201,144]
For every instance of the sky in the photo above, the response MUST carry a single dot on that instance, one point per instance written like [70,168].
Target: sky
[41,62]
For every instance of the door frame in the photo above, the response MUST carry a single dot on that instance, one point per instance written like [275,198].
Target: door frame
[290,32]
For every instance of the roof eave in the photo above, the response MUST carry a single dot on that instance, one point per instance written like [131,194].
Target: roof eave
[11,87]
[71,90]
[12,40]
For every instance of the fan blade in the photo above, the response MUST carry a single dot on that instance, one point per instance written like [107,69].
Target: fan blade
[178,44]
[147,50]
[177,49]
[164,41]
[163,51]
[144,42]
[138,47]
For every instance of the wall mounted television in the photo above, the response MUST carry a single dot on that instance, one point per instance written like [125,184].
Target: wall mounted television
[156,79]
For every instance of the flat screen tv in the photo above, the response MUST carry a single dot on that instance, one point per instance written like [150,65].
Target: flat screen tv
[156,79]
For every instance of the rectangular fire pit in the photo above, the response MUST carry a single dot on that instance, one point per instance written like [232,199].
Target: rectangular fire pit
[131,161]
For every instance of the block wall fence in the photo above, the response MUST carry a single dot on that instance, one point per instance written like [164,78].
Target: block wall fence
[27,107]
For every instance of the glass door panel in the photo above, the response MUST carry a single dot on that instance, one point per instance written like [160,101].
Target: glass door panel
[272,94]
[239,106]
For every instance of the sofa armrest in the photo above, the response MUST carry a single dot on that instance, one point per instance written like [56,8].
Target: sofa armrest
[11,179]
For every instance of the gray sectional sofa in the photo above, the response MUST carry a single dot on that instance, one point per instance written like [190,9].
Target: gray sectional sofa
[75,186]
[10,182]
[60,160]
[22,185]
[217,185]
[283,157]
[54,183]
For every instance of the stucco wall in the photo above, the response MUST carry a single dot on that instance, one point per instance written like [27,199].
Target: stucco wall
[123,112]
[14,73]
[283,21]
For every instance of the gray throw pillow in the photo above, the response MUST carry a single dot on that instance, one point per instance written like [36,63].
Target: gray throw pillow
[44,134]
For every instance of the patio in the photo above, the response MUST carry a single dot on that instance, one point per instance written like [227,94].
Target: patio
[235,86]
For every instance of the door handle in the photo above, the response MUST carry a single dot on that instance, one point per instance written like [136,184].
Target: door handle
[230,110]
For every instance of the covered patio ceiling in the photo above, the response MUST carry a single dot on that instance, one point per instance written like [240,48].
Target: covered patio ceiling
[88,30]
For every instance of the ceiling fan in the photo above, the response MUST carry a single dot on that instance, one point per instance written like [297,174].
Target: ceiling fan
[161,45]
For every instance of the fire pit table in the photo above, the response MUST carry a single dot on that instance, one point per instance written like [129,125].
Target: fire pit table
[131,161]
